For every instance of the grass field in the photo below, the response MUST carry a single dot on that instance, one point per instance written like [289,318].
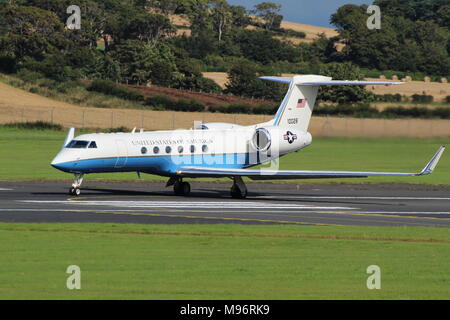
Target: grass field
[26,154]
[226,261]
[222,262]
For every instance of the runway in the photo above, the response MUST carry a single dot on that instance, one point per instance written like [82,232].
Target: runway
[267,203]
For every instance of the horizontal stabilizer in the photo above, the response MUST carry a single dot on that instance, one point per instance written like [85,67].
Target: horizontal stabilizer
[298,81]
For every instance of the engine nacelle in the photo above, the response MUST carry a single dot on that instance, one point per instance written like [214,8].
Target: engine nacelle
[217,126]
[276,141]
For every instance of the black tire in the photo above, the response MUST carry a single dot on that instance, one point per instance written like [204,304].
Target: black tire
[177,189]
[185,189]
[74,191]
[182,188]
[236,193]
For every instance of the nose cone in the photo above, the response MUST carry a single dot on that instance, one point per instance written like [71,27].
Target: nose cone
[61,163]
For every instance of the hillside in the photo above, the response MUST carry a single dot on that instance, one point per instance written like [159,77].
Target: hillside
[183,27]
[210,99]
[18,105]
[17,98]
[311,32]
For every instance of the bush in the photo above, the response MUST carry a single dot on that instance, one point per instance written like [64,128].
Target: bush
[290,33]
[111,88]
[37,125]
[442,112]
[388,97]
[394,112]
[159,100]
[118,129]
[162,102]
[265,109]
[29,76]
[191,105]
[65,87]
[422,98]
[447,99]
[232,108]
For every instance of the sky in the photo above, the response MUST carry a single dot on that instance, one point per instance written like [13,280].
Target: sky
[315,12]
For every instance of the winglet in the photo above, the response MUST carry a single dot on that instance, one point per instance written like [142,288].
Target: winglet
[433,162]
[70,136]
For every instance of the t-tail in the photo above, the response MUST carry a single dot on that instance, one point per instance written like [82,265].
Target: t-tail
[297,106]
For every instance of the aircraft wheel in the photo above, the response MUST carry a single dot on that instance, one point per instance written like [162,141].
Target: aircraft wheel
[182,188]
[237,193]
[74,191]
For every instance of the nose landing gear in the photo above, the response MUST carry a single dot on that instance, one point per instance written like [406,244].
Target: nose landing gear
[75,189]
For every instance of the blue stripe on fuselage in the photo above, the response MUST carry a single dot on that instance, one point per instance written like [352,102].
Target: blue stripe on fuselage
[163,165]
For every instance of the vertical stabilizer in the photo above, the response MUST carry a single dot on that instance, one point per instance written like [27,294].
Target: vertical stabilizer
[296,109]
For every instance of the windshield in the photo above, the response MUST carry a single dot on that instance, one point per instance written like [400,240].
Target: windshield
[77,144]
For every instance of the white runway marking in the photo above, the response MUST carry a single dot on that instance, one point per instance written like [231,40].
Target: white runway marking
[354,198]
[193,205]
[317,210]
[4,189]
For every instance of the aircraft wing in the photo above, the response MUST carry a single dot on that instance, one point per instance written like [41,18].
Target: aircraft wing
[199,172]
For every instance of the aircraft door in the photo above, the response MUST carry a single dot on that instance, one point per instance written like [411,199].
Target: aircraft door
[122,154]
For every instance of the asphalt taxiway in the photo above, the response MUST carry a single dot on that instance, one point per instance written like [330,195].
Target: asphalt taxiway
[267,203]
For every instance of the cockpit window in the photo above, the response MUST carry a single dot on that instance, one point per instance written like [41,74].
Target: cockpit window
[93,145]
[77,144]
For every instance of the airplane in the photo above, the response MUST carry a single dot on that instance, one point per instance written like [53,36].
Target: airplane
[215,150]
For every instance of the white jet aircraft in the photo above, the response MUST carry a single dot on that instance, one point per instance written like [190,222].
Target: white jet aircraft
[214,150]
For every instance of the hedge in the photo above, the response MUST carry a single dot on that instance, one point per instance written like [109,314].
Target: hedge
[422,98]
[114,89]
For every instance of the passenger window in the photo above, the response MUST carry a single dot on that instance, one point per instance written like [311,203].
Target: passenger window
[168,149]
[180,149]
[155,150]
[192,149]
[93,145]
[205,148]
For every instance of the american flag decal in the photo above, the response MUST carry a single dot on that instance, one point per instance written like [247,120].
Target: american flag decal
[301,103]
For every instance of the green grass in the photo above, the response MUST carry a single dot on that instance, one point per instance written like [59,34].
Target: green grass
[26,155]
[222,262]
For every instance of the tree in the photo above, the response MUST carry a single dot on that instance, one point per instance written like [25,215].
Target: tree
[147,27]
[411,38]
[243,81]
[140,62]
[239,16]
[221,16]
[260,46]
[30,32]
[165,6]
[269,12]
[343,94]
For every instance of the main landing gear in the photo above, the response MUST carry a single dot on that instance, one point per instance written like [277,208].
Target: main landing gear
[75,189]
[238,190]
[180,188]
